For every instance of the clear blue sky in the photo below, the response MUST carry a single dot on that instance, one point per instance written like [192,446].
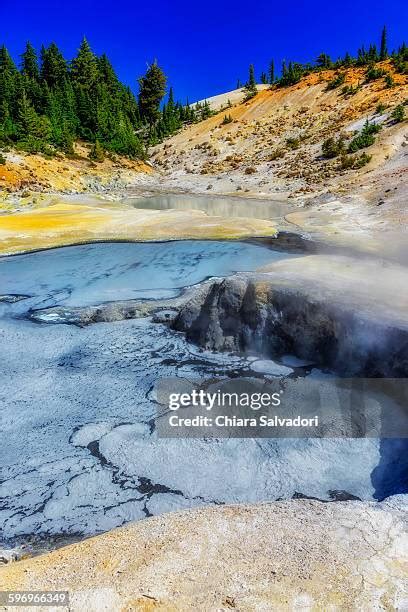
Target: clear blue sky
[203,46]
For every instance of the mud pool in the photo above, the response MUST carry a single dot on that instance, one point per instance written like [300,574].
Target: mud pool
[223,206]
[79,454]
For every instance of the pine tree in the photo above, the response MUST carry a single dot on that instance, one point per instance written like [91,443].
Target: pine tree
[84,67]
[264,78]
[324,61]
[6,63]
[31,75]
[383,48]
[129,105]
[10,86]
[291,74]
[206,110]
[53,66]
[52,105]
[362,57]
[61,110]
[250,87]
[32,129]
[29,63]
[86,107]
[251,80]
[400,59]
[372,53]
[27,118]
[170,102]
[107,73]
[272,72]
[347,61]
[187,113]
[123,139]
[170,121]
[152,89]
[97,153]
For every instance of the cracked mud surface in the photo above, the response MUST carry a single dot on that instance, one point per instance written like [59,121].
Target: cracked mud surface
[80,454]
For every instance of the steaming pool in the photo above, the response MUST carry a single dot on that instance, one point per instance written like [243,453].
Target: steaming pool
[79,454]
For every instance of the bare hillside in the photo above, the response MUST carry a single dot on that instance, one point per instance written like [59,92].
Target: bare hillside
[273,145]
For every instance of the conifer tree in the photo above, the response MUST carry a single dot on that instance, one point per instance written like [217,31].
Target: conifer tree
[206,110]
[372,53]
[272,72]
[383,48]
[251,80]
[324,61]
[347,60]
[6,63]
[53,66]
[52,105]
[29,63]
[152,89]
[107,73]
[31,75]
[27,118]
[250,87]
[84,67]
[97,153]
[33,130]
[362,57]
[170,102]
[123,139]
[61,110]
[291,74]
[170,119]
[10,86]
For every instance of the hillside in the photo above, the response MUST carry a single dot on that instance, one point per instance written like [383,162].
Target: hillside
[220,101]
[269,147]
[273,144]
[26,179]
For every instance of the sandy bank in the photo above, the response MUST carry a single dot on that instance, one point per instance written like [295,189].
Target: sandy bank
[285,555]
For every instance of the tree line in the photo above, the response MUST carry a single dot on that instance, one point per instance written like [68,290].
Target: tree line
[47,103]
[291,72]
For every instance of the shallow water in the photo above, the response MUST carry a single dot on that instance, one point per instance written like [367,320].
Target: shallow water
[222,206]
[94,273]
[79,454]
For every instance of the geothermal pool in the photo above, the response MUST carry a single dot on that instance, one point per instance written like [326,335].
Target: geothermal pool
[78,452]
[223,206]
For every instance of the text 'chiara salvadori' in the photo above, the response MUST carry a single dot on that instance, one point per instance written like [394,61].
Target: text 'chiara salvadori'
[218,400]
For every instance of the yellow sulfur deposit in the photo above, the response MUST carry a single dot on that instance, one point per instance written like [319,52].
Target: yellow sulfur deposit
[63,224]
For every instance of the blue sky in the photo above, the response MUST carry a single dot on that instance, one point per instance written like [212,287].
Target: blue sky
[203,46]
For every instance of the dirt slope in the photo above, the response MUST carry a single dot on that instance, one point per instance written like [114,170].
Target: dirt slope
[29,176]
[273,145]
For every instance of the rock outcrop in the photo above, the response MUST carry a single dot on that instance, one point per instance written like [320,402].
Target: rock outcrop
[339,312]
[293,555]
